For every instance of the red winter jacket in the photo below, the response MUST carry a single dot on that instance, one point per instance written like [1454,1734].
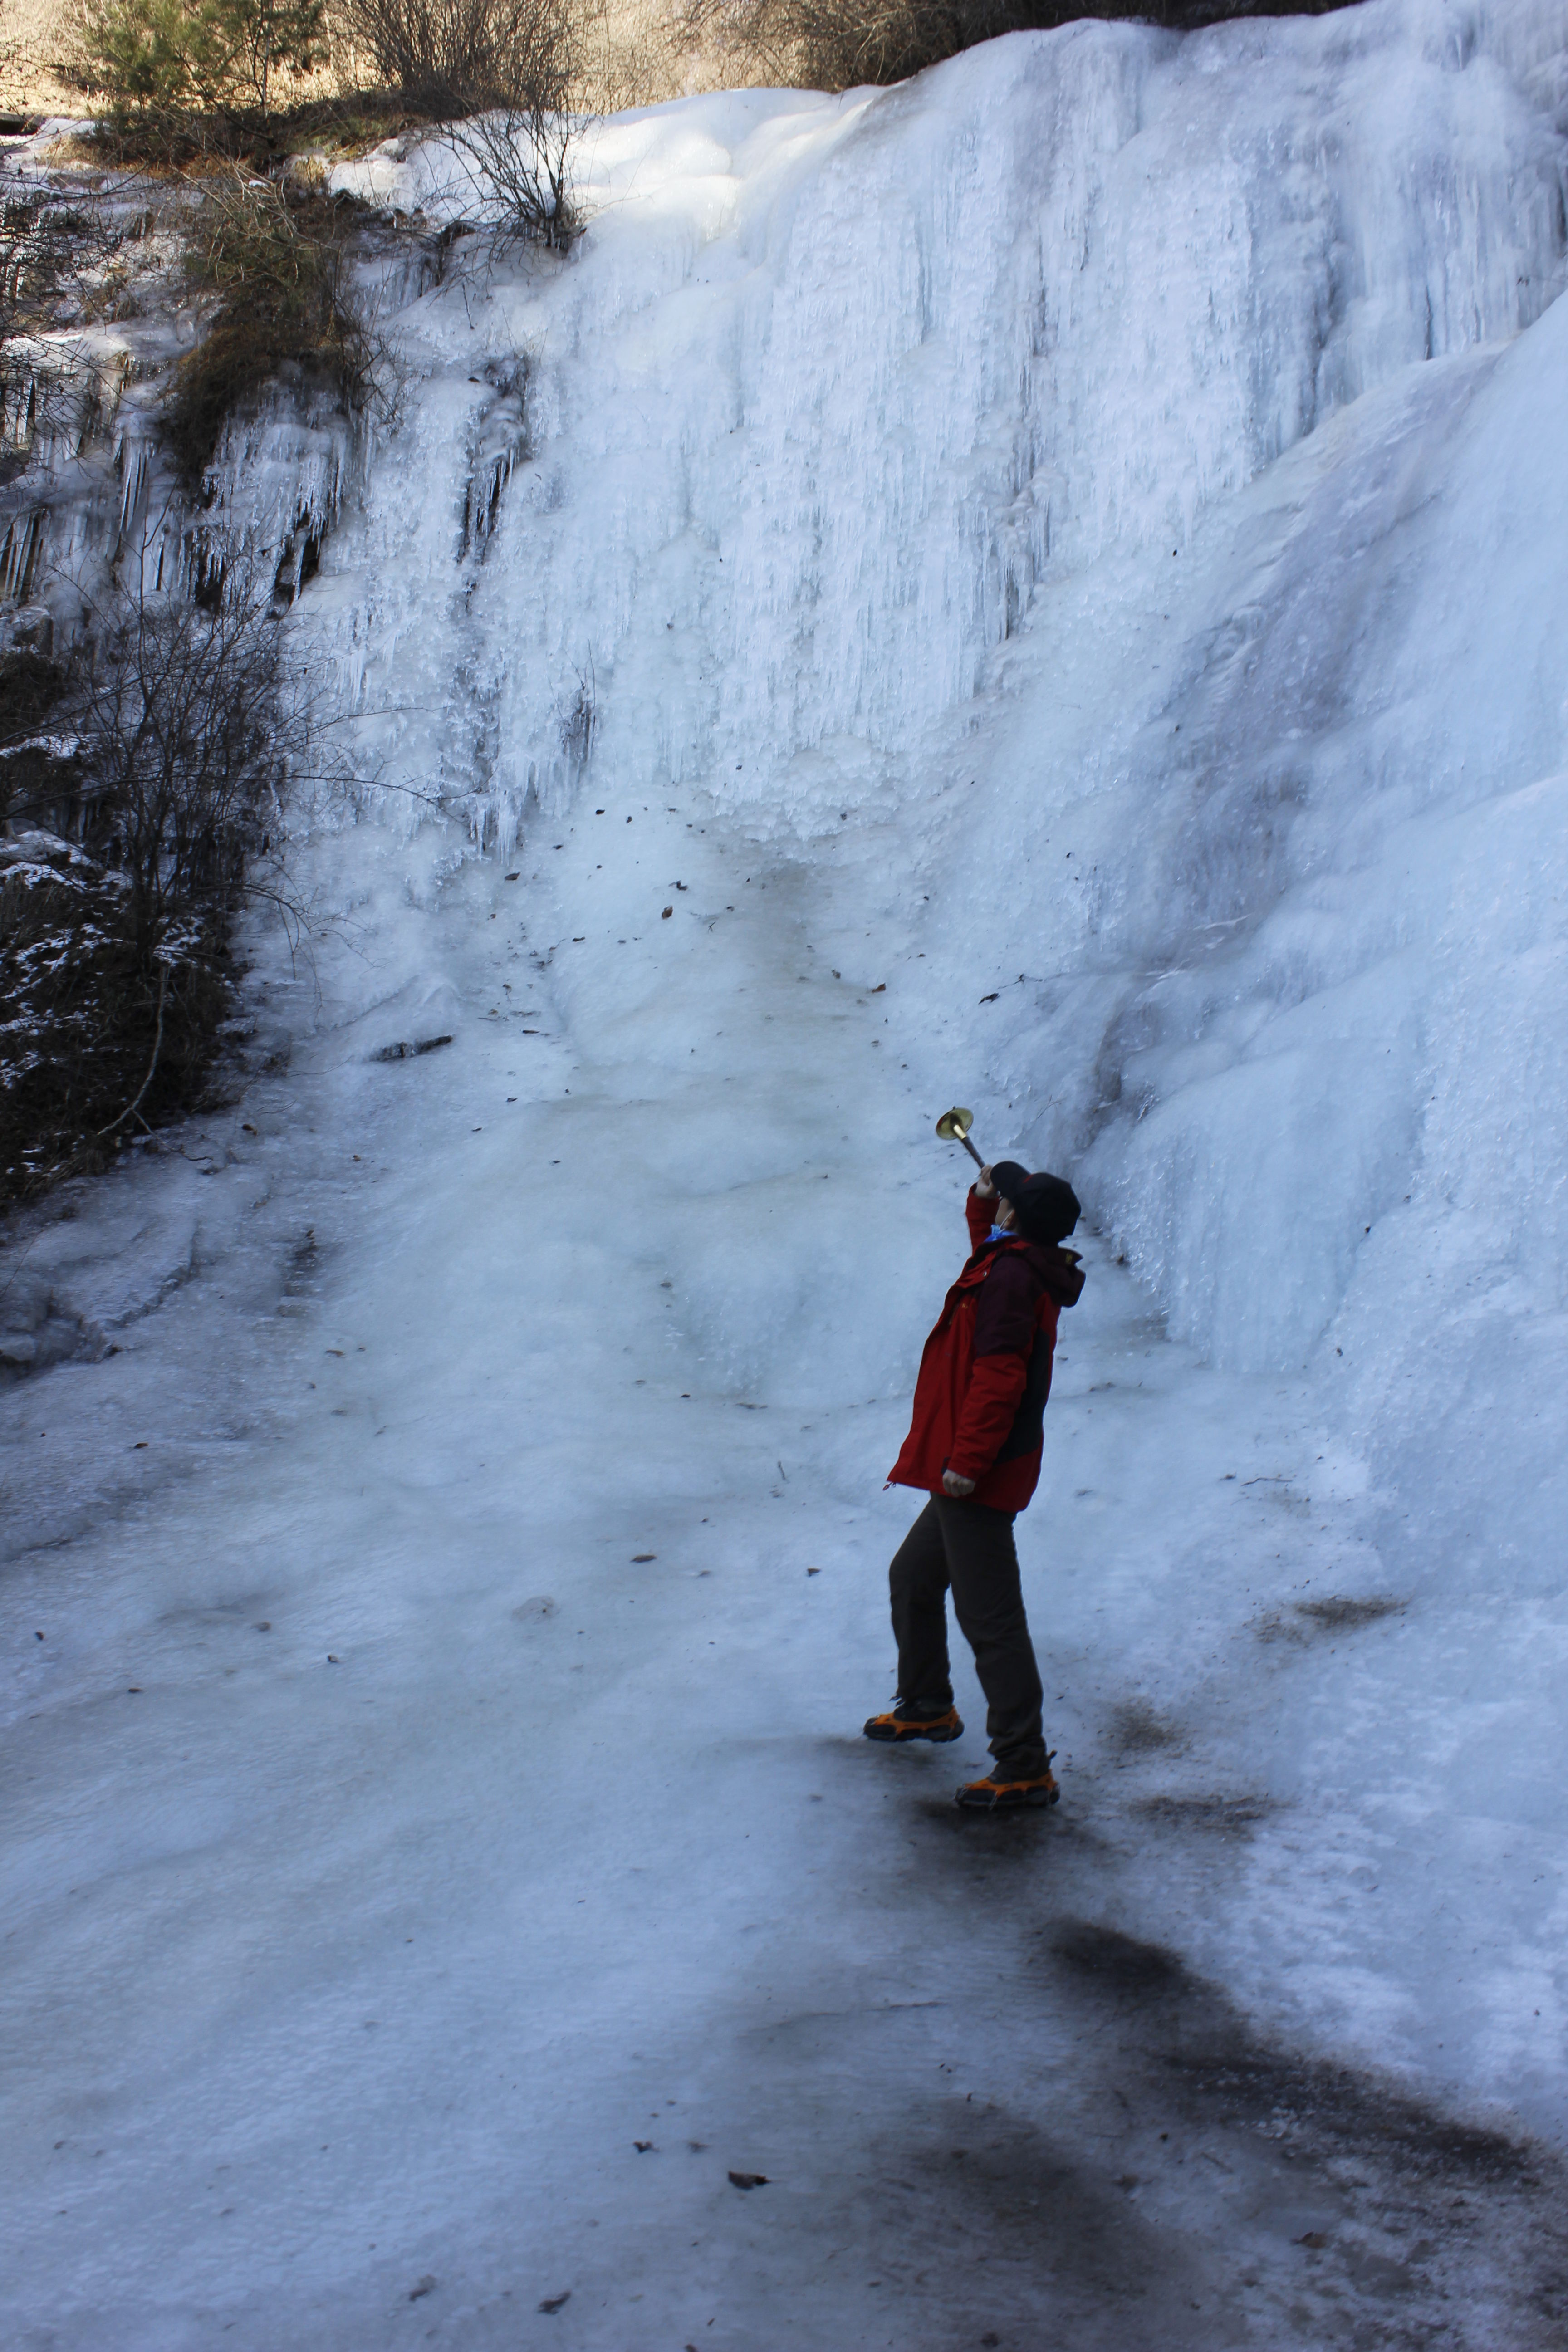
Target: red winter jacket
[986,1371]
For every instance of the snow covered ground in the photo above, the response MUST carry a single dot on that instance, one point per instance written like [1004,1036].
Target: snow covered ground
[1055,577]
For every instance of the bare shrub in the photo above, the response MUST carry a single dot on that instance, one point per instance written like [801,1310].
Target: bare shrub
[454,58]
[508,75]
[31,686]
[184,743]
[842,44]
[92,1044]
[525,157]
[151,769]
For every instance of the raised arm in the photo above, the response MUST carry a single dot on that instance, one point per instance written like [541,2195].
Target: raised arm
[979,1208]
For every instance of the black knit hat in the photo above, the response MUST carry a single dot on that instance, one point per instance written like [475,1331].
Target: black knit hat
[1044,1208]
[1010,1179]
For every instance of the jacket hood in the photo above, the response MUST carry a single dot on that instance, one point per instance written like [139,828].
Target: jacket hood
[1061,1271]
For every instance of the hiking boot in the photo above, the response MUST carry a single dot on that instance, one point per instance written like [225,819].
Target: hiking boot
[995,1795]
[905,1721]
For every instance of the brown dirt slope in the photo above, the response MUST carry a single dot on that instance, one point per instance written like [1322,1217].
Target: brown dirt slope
[35,35]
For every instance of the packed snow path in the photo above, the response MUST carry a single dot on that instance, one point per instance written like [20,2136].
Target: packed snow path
[449,1849]
[444,1850]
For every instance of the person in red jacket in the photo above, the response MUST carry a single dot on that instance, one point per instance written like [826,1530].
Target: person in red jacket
[974,1446]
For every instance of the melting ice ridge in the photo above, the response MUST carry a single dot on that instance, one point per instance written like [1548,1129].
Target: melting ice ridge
[1055,577]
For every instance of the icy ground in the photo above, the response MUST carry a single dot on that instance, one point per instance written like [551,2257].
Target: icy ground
[1056,577]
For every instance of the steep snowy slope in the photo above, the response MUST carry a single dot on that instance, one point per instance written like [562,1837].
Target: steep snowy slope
[1054,577]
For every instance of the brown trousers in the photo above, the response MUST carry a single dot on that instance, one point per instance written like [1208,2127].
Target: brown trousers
[970,1549]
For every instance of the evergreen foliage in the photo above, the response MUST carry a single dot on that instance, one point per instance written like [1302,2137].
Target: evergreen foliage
[175,57]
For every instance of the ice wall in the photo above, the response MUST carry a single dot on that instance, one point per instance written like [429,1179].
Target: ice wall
[90,489]
[1116,475]
[835,384]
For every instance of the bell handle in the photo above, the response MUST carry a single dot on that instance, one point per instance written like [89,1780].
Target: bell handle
[953,1127]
